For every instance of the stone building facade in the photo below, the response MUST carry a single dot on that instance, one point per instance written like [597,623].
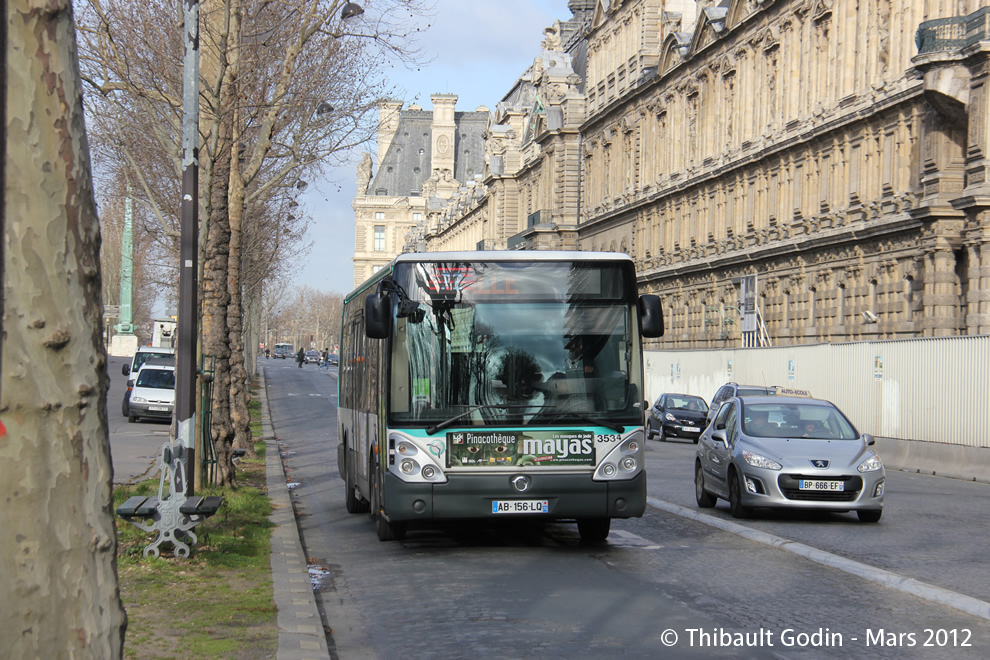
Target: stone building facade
[835,150]
[425,159]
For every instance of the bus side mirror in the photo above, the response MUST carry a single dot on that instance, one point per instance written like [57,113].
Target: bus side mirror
[378,315]
[651,315]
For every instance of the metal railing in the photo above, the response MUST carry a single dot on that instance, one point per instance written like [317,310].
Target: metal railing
[207,453]
[953,33]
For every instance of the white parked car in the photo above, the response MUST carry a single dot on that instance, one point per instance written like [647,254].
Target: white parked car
[153,394]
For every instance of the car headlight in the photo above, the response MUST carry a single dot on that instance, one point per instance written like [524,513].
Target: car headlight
[759,461]
[670,418]
[138,399]
[872,464]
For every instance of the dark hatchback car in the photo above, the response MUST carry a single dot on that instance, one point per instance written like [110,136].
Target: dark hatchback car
[677,415]
[313,357]
[730,390]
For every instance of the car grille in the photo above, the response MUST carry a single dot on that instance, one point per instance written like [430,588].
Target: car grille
[788,484]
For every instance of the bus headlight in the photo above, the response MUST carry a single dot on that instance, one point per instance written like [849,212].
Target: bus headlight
[623,460]
[415,463]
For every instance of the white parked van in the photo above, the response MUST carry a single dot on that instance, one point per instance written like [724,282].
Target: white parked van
[144,353]
[153,394]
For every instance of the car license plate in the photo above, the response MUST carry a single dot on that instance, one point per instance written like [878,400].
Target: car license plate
[158,408]
[817,484]
[520,506]
[692,429]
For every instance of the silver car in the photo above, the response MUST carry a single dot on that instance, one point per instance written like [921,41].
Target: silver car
[787,452]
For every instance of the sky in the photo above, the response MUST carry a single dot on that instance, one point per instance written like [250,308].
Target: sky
[476,49]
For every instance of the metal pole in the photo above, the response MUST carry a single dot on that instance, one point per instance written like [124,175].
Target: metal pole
[125,319]
[185,358]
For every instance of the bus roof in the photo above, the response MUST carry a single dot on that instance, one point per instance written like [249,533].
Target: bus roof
[535,256]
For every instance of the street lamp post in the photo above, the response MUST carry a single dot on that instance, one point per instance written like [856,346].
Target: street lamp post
[185,359]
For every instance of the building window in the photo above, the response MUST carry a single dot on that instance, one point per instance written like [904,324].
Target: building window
[375,269]
[379,238]
[417,217]
[379,215]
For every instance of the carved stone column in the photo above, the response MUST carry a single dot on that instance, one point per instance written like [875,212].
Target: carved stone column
[940,295]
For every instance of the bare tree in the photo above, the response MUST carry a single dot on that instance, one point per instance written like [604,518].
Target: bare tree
[286,89]
[58,546]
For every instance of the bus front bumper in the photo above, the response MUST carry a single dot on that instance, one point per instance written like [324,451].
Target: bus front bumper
[471,496]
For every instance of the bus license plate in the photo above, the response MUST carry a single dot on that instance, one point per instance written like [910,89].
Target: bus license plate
[813,484]
[520,506]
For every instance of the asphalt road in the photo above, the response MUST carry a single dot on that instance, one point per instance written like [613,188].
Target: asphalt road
[134,447]
[522,590]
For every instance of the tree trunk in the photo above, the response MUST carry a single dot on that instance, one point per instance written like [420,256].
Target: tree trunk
[239,416]
[58,543]
[216,337]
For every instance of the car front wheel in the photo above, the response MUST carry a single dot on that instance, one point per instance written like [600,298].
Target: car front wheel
[870,516]
[735,498]
[705,499]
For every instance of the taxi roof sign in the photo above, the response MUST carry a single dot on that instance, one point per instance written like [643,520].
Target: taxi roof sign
[790,391]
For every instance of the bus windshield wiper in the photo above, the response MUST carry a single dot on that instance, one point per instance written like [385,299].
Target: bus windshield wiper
[556,414]
[430,430]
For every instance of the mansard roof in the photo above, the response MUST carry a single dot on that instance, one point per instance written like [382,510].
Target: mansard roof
[406,164]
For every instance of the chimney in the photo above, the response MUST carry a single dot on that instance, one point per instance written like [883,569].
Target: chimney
[444,132]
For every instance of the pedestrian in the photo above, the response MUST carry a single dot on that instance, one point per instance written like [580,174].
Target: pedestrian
[325,359]
[300,356]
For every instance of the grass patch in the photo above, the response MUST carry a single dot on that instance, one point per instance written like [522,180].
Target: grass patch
[219,602]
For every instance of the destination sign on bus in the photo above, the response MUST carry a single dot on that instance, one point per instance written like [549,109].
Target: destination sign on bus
[518,280]
[451,279]
[515,448]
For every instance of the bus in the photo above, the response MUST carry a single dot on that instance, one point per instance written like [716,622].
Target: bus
[283,351]
[502,384]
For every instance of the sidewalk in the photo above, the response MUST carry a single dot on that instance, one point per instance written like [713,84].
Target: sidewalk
[300,629]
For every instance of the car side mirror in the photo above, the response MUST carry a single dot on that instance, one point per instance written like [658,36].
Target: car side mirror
[719,436]
[869,440]
[126,370]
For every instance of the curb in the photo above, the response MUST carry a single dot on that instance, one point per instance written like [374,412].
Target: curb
[300,629]
[968,604]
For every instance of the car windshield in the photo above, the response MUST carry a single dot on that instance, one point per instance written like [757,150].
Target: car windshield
[680,402]
[820,420]
[156,379]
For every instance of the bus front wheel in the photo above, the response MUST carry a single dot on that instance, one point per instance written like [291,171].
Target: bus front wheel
[387,531]
[354,502]
[594,530]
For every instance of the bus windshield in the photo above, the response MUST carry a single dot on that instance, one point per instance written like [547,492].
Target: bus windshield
[515,343]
